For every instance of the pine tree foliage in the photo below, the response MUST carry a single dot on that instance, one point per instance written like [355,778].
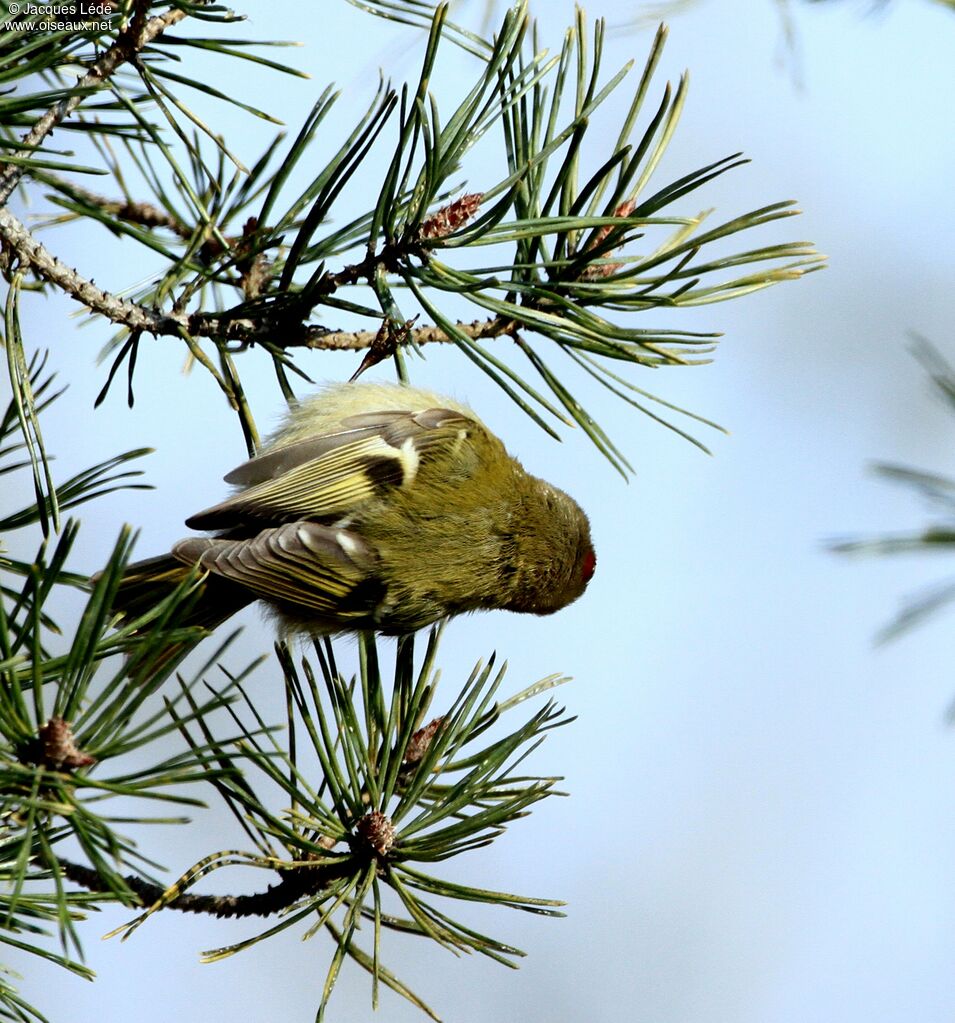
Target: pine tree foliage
[534,275]
[938,491]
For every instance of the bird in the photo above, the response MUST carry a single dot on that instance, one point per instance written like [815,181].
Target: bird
[375,507]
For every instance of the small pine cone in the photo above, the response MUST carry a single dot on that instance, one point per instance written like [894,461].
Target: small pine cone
[597,271]
[420,742]
[58,748]
[449,218]
[377,831]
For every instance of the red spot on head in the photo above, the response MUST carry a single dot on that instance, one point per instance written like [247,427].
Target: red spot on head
[590,563]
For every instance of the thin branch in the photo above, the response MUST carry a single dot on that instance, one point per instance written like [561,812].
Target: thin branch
[295,884]
[130,41]
[358,340]
[244,330]
[144,214]
[119,310]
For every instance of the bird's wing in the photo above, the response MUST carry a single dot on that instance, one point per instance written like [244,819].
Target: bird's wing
[326,477]
[304,566]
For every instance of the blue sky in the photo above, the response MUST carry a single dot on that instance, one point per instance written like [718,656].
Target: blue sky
[761,826]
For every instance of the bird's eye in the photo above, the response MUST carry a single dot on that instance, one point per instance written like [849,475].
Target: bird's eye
[590,563]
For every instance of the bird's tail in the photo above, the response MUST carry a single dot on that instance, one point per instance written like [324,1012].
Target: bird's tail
[146,583]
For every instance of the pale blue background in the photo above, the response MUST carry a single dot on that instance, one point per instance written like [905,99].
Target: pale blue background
[762,820]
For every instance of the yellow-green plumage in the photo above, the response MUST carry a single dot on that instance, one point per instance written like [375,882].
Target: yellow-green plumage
[379,507]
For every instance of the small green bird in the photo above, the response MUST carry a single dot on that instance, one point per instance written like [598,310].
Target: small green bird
[378,507]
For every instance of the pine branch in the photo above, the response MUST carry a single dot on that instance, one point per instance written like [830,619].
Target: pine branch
[297,883]
[938,491]
[358,340]
[137,33]
[279,330]
[118,310]
[143,214]
[582,252]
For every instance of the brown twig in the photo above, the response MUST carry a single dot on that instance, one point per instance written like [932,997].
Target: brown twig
[372,839]
[358,340]
[245,330]
[138,32]
[295,884]
[143,214]
[46,265]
